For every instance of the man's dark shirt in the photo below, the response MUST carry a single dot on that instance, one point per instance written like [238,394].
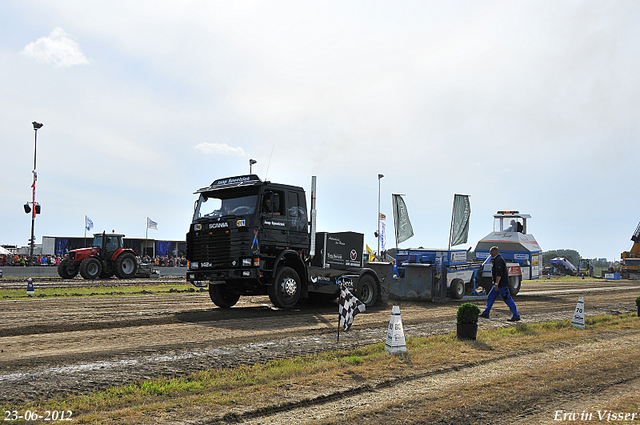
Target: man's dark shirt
[500,269]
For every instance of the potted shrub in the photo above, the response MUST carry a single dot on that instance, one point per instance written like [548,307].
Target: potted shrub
[467,319]
[638,305]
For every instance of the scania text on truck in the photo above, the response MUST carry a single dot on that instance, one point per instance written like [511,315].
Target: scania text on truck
[254,237]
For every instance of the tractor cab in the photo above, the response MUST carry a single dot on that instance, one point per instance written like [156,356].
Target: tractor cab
[510,221]
[108,243]
[517,246]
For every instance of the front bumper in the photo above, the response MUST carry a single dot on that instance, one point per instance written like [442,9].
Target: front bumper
[221,275]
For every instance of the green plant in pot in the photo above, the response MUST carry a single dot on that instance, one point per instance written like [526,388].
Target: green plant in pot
[467,318]
[638,305]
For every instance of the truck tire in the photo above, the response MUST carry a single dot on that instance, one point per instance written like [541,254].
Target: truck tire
[222,296]
[457,289]
[367,290]
[90,268]
[65,270]
[125,266]
[285,291]
[515,282]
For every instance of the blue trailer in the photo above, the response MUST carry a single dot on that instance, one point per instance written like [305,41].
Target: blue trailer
[431,274]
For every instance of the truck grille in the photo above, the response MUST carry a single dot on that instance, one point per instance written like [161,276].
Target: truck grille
[218,248]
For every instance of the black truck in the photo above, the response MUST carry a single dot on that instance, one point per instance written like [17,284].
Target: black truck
[254,237]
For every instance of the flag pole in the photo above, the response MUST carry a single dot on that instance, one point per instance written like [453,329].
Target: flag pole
[451,227]
[85,231]
[338,340]
[146,236]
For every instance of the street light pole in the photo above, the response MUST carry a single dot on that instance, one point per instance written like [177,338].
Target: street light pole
[251,162]
[380,176]
[36,126]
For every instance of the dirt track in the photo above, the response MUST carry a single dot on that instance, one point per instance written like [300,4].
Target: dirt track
[54,346]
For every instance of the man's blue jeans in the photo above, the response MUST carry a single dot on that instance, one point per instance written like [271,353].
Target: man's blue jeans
[506,296]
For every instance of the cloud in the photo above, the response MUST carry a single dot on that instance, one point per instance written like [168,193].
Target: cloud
[219,148]
[57,48]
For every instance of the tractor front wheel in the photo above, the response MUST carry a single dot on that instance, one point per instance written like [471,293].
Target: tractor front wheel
[90,268]
[65,269]
[125,266]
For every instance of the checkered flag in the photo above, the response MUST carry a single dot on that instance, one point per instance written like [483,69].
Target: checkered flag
[348,308]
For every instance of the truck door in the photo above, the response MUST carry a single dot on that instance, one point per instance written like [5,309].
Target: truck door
[297,220]
[275,227]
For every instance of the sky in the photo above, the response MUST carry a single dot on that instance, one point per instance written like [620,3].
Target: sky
[530,105]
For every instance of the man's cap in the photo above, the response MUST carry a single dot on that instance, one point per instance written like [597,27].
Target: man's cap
[493,247]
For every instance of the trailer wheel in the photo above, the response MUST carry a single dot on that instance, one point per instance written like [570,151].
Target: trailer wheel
[222,296]
[514,285]
[285,291]
[457,288]
[65,270]
[90,268]
[367,290]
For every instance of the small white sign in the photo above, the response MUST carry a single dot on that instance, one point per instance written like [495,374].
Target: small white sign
[578,315]
[395,334]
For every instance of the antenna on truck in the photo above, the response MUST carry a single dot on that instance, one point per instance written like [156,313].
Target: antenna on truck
[269,163]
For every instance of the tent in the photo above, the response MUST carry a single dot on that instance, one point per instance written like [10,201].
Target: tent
[3,251]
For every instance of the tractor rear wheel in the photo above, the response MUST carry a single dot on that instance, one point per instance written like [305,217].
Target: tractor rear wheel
[90,268]
[65,270]
[125,266]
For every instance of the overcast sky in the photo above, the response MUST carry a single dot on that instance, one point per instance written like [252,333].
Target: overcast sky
[523,105]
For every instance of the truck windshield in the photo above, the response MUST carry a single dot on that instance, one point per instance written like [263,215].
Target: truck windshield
[210,206]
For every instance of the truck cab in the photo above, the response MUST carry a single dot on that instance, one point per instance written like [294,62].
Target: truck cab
[252,237]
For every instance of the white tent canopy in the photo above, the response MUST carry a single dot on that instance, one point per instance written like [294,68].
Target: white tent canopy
[3,251]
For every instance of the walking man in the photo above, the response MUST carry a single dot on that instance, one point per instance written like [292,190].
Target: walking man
[500,275]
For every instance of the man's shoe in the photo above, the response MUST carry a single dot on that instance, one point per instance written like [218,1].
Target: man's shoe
[484,316]
[514,319]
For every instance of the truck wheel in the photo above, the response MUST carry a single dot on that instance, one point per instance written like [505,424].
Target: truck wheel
[65,270]
[90,268]
[222,296]
[457,289]
[125,266]
[367,291]
[285,291]
[514,285]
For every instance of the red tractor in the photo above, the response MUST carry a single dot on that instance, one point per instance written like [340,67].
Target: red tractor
[106,257]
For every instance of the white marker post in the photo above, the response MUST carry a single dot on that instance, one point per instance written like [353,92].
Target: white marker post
[395,334]
[578,315]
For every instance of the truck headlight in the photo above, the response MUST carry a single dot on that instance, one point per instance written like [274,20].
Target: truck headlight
[194,265]
[246,262]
